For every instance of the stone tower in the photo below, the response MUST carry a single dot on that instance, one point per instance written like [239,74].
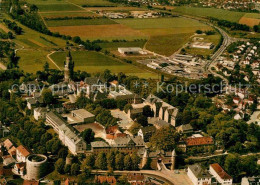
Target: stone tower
[173,159]
[66,67]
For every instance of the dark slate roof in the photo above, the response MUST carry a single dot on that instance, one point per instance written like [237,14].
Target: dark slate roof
[199,172]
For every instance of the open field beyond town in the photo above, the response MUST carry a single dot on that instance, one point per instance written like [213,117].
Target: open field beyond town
[210,12]
[93,62]
[250,19]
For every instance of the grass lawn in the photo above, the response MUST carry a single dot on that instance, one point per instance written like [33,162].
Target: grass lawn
[104,32]
[32,61]
[210,12]
[93,62]
[160,23]
[93,3]
[113,46]
[79,22]
[57,7]
[68,14]
[252,15]
[167,44]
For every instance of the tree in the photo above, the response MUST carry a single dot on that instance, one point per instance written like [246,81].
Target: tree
[63,152]
[165,139]
[119,161]
[47,96]
[121,104]
[67,168]
[199,32]
[142,120]
[147,111]
[128,107]
[128,162]
[88,162]
[101,161]
[59,166]
[135,161]
[233,165]
[256,28]
[46,67]
[88,135]
[75,169]
[82,101]
[111,160]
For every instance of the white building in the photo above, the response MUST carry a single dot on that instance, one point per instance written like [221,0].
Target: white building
[202,45]
[198,176]
[39,113]
[22,153]
[221,176]
[131,51]
[67,134]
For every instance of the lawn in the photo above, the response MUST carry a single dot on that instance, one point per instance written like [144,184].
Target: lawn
[57,7]
[210,12]
[160,23]
[104,32]
[166,35]
[93,62]
[93,3]
[167,44]
[79,22]
[252,15]
[32,60]
[68,14]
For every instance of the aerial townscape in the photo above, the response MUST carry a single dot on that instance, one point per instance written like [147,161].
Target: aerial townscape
[129,92]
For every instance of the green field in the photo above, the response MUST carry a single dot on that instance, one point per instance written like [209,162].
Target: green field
[32,60]
[210,12]
[160,23]
[46,2]
[93,3]
[57,7]
[68,14]
[79,22]
[93,62]
[167,35]
[252,15]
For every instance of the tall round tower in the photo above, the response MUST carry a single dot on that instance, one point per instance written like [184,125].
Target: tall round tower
[173,160]
[35,166]
[66,67]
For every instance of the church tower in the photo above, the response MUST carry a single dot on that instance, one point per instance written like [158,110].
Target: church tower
[173,158]
[67,67]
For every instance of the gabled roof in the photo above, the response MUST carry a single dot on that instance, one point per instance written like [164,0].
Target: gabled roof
[135,177]
[103,179]
[30,182]
[219,170]
[8,144]
[23,150]
[94,80]
[148,129]
[199,172]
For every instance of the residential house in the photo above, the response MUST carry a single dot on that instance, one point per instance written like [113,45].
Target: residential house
[33,102]
[8,160]
[22,153]
[221,176]
[8,144]
[185,129]
[198,142]
[198,175]
[19,168]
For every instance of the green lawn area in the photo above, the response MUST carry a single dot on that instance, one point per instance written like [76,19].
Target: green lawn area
[93,3]
[32,60]
[93,62]
[57,7]
[79,22]
[161,44]
[160,23]
[46,2]
[252,15]
[69,14]
[113,46]
[210,12]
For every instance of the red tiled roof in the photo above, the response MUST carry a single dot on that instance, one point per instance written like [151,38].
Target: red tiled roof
[20,165]
[8,144]
[199,141]
[67,181]
[112,130]
[23,150]
[219,170]
[12,151]
[108,179]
